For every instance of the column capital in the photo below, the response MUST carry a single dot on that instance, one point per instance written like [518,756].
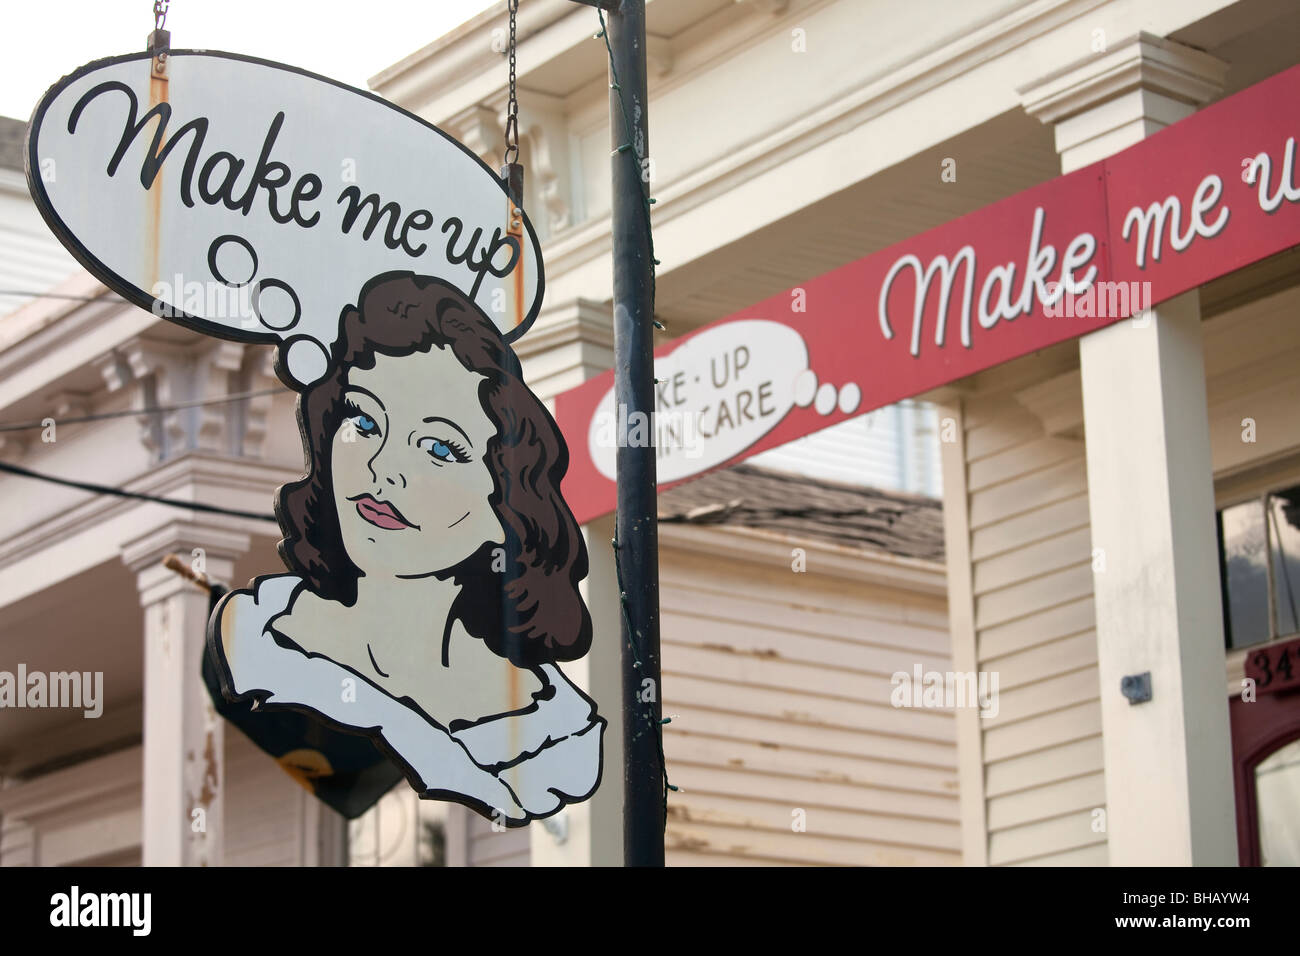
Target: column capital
[569,343]
[481,129]
[1110,100]
[1143,61]
[219,547]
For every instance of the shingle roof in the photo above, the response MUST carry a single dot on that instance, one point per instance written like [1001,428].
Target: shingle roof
[12,132]
[907,526]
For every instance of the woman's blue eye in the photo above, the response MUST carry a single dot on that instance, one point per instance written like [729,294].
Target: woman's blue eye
[446,451]
[362,423]
[442,450]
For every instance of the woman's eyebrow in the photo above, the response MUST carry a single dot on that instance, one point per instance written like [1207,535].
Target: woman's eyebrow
[448,421]
[365,391]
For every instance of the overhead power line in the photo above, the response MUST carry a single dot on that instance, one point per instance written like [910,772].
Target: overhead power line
[27,294]
[130,412]
[134,495]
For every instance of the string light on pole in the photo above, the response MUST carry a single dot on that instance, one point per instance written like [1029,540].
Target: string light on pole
[634,302]
[628,146]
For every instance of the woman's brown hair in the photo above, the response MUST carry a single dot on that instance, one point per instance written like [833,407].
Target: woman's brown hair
[532,611]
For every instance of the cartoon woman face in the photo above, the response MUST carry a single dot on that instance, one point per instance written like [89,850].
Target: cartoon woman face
[410,481]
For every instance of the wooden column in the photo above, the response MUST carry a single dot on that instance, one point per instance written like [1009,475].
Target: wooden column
[184,744]
[1169,792]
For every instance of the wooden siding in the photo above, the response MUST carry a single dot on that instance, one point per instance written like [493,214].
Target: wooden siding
[269,819]
[1032,617]
[778,684]
[1251,358]
[471,841]
[1031,622]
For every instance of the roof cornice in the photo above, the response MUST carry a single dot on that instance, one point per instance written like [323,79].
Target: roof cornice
[465,52]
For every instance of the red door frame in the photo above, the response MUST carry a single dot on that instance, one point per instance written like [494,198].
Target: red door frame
[1258,728]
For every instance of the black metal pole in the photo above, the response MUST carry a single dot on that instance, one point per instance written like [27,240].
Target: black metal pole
[638,535]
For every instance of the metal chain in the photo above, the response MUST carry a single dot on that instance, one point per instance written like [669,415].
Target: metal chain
[512,104]
[160,13]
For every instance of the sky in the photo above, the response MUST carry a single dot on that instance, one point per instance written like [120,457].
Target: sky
[348,41]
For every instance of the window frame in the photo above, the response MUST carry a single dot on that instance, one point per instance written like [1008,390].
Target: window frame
[1255,484]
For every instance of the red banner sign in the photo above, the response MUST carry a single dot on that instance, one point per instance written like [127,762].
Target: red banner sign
[1193,202]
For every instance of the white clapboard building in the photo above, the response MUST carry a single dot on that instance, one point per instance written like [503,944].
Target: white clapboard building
[1118,507]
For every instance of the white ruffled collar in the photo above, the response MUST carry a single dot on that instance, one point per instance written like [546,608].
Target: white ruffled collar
[547,753]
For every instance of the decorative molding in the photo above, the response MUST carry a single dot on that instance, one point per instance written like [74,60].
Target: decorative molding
[62,405]
[467,52]
[256,374]
[550,161]
[158,370]
[68,405]
[1101,104]
[170,373]
[577,321]
[36,315]
[208,532]
[530,101]
[569,344]
[480,128]
[216,373]
[238,484]
[1143,62]
[928,70]
[114,369]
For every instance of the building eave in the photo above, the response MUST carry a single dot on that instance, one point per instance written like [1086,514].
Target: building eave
[774,549]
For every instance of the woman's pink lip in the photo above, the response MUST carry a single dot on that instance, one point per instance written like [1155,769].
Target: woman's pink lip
[380,514]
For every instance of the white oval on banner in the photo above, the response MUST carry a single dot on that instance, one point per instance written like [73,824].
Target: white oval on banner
[718,393]
[253,200]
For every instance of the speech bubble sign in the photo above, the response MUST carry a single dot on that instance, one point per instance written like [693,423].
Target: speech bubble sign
[252,200]
[717,393]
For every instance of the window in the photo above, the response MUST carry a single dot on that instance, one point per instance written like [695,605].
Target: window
[399,830]
[1259,567]
[1277,793]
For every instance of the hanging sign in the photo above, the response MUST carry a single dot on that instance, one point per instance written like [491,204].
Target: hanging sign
[1195,201]
[237,196]
[434,568]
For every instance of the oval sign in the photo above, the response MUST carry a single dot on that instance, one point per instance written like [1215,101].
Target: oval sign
[252,200]
[716,394]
